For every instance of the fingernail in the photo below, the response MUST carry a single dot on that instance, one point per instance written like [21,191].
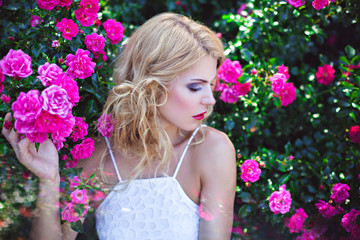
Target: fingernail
[7,125]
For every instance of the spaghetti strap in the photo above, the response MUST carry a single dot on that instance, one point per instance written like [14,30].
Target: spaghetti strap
[113,159]
[186,148]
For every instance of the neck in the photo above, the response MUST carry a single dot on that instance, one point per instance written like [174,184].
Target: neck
[175,137]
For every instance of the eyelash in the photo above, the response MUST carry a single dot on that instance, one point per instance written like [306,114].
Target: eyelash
[194,88]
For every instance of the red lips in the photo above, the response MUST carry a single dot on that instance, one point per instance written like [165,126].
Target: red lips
[199,116]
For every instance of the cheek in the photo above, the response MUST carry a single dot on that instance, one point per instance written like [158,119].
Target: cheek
[182,100]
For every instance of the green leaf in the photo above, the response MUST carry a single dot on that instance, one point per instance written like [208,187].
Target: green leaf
[344,60]
[14,5]
[284,179]
[246,54]
[245,196]
[37,146]
[355,60]
[312,189]
[77,226]
[3,149]
[244,210]
[288,148]
[91,176]
[37,49]
[350,51]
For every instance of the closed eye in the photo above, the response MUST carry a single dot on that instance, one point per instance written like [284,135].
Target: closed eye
[194,87]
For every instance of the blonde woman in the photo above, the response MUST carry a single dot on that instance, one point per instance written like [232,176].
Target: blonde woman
[169,176]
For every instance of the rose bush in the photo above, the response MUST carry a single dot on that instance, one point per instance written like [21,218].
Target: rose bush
[303,132]
[55,89]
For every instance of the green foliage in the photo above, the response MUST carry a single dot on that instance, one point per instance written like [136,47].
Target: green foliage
[266,34]
[314,128]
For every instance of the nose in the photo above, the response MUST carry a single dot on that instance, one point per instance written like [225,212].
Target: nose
[209,99]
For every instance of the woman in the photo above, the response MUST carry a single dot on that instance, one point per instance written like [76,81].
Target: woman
[170,176]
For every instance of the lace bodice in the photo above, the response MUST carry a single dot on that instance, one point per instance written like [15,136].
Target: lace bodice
[154,208]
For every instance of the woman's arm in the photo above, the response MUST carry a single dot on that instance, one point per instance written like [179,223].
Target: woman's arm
[218,185]
[44,163]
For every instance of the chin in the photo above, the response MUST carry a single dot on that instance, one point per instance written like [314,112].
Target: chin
[191,127]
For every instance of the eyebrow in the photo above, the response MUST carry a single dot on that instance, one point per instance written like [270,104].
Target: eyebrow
[202,80]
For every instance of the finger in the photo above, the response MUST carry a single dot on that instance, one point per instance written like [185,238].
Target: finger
[25,147]
[6,129]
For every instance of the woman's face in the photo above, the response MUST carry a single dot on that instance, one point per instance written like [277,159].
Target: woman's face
[190,95]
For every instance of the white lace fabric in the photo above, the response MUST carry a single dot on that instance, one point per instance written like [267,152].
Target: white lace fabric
[153,208]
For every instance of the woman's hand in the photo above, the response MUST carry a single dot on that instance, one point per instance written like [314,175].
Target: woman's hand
[44,163]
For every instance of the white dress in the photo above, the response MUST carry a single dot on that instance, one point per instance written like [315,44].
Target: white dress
[153,208]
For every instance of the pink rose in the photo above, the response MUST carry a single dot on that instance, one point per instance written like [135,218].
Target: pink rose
[306,235]
[296,3]
[16,64]
[114,31]
[65,3]
[47,4]
[25,127]
[250,171]
[68,28]
[69,214]
[83,150]
[79,196]
[5,98]
[354,134]
[27,106]
[228,94]
[56,101]
[241,88]
[325,209]
[71,164]
[49,123]
[55,44]
[58,144]
[297,221]
[48,73]
[319,4]
[97,195]
[253,71]
[340,192]
[65,130]
[284,70]
[70,86]
[74,182]
[349,221]
[97,23]
[86,18]
[230,71]
[34,20]
[90,6]
[287,94]
[106,124]
[278,81]
[94,42]
[38,137]
[79,130]
[2,78]
[325,74]
[280,201]
[80,64]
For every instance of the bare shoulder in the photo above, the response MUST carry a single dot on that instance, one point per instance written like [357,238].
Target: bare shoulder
[91,164]
[216,151]
[216,143]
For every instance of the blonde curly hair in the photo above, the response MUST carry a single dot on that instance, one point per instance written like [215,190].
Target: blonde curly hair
[155,54]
